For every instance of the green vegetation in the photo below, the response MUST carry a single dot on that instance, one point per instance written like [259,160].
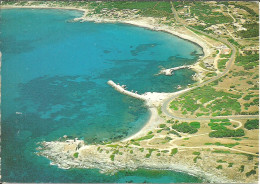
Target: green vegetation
[145,137]
[250,173]
[222,64]
[237,139]
[247,9]
[150,132]
[168,138]
[141,149]
[221,161]
[197,156]
[233,42]
[230,164]
[175,133]
[135,143]
[196,153]
[252,31]
[76,155]
[219,167]
[150,150]
[248,62]
[165,151]
[220,151]
[174,151]
[248,97]
[195,124]
[212,74]
[222,130]
[159,131]
[159,110]
[220,144]
[227,133]
[112,157]
[146,8]
[252,124]
[162,125]
[195,99]
[185,128]
[219,126]
[113,145]
[242,168]
[205,13]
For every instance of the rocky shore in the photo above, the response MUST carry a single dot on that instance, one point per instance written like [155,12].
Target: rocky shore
[74,154]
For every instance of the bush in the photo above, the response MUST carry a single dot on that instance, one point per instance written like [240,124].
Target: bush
[112,157]
[168,138]
[230,164]
[185,128]
[252,31]
[252,124]
[145,137]
[250,173]
[76,155]
[162,125]
[175,133]
[174,151]
[196,153]
[219,167]
[248,62]
[195,124]
[227,133]
[242,168]
[222,64]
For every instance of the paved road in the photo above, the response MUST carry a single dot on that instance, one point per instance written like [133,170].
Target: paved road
[230,62]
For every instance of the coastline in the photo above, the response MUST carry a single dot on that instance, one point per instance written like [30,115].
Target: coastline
[154,119]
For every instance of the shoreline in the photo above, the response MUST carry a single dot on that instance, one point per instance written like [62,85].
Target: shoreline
[154,119]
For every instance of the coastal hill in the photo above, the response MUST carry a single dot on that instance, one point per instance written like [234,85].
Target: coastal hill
[210,128]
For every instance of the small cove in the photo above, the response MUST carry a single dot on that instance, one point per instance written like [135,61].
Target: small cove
[55,73]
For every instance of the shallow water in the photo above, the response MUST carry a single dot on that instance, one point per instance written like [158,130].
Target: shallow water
[55,73]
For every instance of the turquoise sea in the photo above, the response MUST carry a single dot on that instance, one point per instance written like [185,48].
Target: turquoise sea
[54,83]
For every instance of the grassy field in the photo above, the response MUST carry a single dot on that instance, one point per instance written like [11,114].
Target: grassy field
[207,101]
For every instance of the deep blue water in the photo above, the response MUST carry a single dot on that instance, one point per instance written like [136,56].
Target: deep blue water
[55,73]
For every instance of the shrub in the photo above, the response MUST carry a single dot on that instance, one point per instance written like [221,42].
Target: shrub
[230,164]
[112,157]
[252,124]
[221,161]
[242,168]
[248,62]
[227,133]
[185,128]
[195,124]
[174,151]
[167,138]
[250,173]
[219,167]
[162,125]
[145,137]
[196,153]
[175,133]
[165,151]
[76,155]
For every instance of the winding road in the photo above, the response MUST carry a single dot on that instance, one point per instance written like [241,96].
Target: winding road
[231,61]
